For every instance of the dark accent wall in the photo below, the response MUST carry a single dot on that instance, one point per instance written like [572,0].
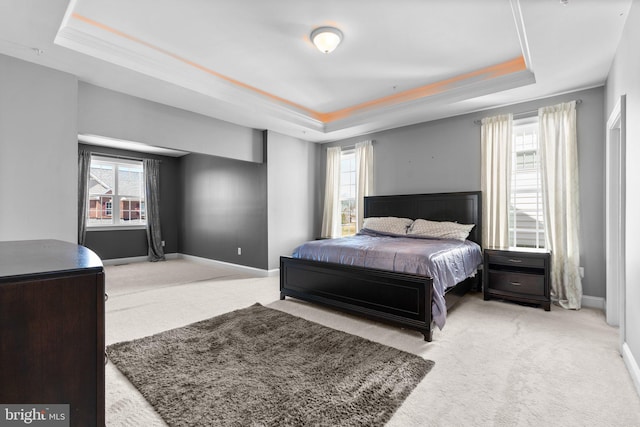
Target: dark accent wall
[117,243]
[114,244]
[210,206]
[225,208]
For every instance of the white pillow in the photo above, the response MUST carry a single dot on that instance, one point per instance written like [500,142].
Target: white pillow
[440,229]
[387,225]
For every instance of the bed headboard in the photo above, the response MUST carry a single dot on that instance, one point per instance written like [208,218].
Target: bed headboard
[462,207]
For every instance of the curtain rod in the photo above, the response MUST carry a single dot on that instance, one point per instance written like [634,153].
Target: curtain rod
[119,156]
[353,146]
[524,113]
[344,147]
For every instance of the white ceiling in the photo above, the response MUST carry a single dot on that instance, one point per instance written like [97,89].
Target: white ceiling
[250,62]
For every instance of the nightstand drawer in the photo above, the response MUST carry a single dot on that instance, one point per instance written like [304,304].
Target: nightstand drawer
[521,283]
[516,260]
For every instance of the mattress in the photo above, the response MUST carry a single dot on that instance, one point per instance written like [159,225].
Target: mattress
[446,261]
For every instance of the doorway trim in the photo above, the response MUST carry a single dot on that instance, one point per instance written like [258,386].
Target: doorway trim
[615,217]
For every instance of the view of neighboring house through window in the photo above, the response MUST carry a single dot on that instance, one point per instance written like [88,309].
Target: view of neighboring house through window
[526,220]
[116,192]
[348,192]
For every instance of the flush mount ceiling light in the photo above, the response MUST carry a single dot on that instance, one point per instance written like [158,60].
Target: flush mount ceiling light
[326,39]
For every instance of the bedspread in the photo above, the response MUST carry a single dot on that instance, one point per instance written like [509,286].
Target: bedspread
[447,262]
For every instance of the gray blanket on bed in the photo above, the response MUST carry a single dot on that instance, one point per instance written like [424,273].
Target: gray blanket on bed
[448,262]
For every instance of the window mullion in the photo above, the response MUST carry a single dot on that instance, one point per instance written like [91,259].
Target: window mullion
[111,177]
[116,196]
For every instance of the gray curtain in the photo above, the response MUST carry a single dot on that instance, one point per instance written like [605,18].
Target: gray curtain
[84,165]
[152,201]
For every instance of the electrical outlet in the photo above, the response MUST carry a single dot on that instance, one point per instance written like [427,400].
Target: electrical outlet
[163,243]
[239,251]
[581,270]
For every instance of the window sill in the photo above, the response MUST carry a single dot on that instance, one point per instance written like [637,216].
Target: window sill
[116,228]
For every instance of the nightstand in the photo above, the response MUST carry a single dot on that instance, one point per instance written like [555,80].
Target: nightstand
[518,274]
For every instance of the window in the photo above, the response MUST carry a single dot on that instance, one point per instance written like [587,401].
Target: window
[526,220]
[116,193]
[347,192]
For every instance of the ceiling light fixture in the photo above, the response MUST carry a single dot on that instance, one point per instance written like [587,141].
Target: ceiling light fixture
[326,39]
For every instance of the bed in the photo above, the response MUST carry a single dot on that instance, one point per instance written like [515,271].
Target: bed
[399,298]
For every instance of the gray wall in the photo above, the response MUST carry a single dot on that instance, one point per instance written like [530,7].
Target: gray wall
[38,152]
[210,206]
[224,178]
[224,208]
[444,155]
[222,188]
[116,244]
[112,114]
[623,79]
[293,202]
[113,244]
[216,205]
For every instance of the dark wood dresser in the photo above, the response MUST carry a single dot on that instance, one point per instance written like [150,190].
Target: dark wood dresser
[518,275]
[52,327]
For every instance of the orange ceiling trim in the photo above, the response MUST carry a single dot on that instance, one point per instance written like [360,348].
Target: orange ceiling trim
[191,63]
[491,72]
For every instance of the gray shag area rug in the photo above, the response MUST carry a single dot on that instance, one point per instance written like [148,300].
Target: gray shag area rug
[259,366]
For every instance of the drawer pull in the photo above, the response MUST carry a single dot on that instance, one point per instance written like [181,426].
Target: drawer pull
[515,283]
[515,260]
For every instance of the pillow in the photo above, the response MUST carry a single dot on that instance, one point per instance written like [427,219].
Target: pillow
[387,225]
[440,229]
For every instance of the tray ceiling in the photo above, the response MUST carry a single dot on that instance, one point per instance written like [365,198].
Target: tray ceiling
[252,62]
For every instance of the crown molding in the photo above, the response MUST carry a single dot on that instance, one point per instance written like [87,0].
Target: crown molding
[99,41]
[147,62]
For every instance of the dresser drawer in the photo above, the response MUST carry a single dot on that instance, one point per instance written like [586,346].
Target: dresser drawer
[521,283]
[516,260]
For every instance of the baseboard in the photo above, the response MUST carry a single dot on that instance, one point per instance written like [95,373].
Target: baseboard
[130,260]
[632,366]
[593,302]
[251,270]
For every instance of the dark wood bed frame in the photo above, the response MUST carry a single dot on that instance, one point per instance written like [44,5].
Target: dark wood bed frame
[398,298]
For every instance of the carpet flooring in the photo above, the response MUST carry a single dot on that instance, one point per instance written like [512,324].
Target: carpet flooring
[259,366]
[496,363]
[127,278]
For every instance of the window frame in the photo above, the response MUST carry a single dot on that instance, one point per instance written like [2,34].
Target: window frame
[116,197]
[540,229]
[351,153]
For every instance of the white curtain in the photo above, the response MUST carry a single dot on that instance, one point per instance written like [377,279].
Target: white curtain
[331,214]
[559,161]
[496,180]
[364,177]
